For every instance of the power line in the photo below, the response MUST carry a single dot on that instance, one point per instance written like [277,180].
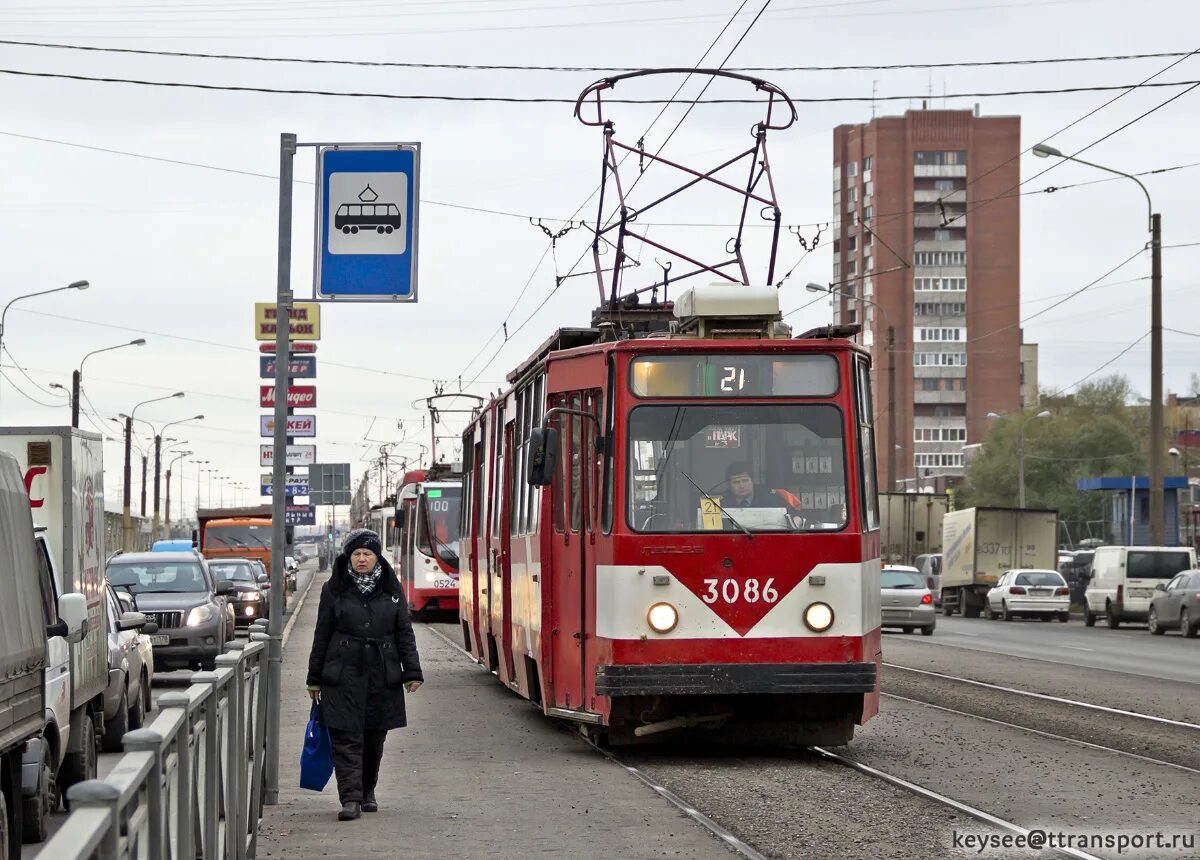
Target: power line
[1100,368]
[616,69]
[483,99]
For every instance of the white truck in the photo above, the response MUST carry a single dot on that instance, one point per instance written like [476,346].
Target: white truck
[28,616]
[980,544]
[63,473]
[910,524]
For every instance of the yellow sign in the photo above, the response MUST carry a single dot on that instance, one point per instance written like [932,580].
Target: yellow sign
[305,321]
[710,514]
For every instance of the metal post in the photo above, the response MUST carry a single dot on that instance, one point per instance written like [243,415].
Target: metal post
[76,384]
[283,307]
[144,459]
[167,506]
[1021,465]
[127,525]
[157,482]
[1157,526]
[891,396]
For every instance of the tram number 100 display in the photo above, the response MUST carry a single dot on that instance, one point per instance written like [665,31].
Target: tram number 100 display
[733,590]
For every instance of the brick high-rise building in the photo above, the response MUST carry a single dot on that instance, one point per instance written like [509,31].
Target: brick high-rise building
[927,226]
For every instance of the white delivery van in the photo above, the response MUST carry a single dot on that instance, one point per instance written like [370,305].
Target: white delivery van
[63,472]
[1123,580]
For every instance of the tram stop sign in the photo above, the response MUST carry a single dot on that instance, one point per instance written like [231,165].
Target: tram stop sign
[366,217]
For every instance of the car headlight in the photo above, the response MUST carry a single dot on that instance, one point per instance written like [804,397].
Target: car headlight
[818,617]
[201,615]
[252,596]
[662,617]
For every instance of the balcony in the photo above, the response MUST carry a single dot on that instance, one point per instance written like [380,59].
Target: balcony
[944,171]
[939,397]
[932,195]
[940,244]
[953,221]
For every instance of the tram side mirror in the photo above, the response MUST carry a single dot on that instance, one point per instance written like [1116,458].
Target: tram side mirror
[543,449]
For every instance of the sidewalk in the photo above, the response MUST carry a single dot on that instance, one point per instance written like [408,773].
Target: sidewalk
[478,774]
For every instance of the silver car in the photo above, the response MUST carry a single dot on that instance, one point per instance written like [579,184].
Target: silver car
[905,601]
[130,670]
[1176,605]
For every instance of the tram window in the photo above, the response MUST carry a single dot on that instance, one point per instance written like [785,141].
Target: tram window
[575,454]
[500,487]
[477,490]
[869,480]
[535,493]
[558,489]
[681,459]
[517,482]
[606,517]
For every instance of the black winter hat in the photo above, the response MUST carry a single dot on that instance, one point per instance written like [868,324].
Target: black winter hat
[362,539]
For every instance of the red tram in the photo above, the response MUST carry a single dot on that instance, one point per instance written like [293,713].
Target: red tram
[425,549]
[680,529]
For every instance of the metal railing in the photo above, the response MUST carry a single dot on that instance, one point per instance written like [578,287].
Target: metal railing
[189,784]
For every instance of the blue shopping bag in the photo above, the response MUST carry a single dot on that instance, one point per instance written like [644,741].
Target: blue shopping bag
[316,759]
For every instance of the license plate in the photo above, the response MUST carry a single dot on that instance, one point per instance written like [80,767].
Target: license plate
[1039,591]
[160,640]
[445,583]
[1140,592]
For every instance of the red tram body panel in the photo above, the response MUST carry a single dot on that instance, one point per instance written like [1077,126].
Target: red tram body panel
[640,591]
[425,549]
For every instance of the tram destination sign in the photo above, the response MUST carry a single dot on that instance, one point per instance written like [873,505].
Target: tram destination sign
[366,237]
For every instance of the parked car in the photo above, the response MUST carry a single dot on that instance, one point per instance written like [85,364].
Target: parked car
[905,601]
[1030,593]
[178,592]
[130,671]
[248,596]
[930,567]
[1176,605]
[1123,580]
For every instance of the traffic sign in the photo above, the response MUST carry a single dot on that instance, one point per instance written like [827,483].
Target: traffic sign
[299,396]
[299,426]
[299,366]
[367,223]
[297,455]
[305,321]
[297,485]
[300,515]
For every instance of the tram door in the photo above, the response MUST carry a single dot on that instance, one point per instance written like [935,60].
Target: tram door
[572,541]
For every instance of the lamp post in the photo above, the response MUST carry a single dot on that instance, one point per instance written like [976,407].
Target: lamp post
[127,534]
[1157,525]
[158,463]
[891,375]
[1045,413]
[177,458]
[77,376]
[74,285]
[199,463]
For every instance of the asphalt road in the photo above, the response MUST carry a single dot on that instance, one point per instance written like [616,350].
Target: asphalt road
[1131,650]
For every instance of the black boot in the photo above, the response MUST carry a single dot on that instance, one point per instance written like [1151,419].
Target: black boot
[351,810]
[369,804]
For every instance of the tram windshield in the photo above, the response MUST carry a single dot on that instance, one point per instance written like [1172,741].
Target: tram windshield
[750,468]
[440,524]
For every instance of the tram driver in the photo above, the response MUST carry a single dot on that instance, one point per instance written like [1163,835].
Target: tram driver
[743,494]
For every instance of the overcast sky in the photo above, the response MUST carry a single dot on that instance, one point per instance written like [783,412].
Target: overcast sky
[178,254]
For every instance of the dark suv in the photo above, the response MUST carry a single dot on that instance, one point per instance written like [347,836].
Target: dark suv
[178,592]
[248,597]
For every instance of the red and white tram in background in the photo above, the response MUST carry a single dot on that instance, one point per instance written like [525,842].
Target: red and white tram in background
[610,574]
[425,546]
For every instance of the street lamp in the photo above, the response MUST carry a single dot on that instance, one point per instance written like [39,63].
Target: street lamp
[1045,413]
[128,524]
[1157,524]
[158,437]
[199,463]
[177,458]
[74,285]
[77,375]
[891,375]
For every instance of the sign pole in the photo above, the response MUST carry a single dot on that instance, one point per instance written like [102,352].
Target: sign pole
[283,307]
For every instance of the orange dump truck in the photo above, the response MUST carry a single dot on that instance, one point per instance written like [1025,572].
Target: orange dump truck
[236,533]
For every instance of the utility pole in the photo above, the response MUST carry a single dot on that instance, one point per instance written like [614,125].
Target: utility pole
[891,407]
[1157,492]
[144,459]
[75,386]
[127,524]
[157,479]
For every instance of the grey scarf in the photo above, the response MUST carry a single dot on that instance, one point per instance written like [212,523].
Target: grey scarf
[366,582]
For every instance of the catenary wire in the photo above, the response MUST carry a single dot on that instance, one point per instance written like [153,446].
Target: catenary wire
[1100,368]
[615,69]
[481,99]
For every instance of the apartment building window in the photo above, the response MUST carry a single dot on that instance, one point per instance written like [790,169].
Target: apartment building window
[868,162]
[851,316]
[868,211]
[940,434]
[851,243]
[837,197]
[941,159]
[950,285]
[924,461]
[868,261]
[939,309]
[868,239]
[852,195]
[943,184]
[938,334]
[940,258]
[941,235]
[837,270]
[868,189]
[953,383]
[837,245]
[851,267]
[939,359]
[852,168]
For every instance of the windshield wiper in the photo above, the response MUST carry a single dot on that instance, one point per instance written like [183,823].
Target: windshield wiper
[713,499]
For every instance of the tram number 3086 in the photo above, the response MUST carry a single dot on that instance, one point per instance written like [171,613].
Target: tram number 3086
[733,590]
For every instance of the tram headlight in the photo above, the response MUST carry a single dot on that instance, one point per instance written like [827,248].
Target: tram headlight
[662,617]
[818,617]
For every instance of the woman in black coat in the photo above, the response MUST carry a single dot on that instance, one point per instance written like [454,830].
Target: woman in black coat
[364,656]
